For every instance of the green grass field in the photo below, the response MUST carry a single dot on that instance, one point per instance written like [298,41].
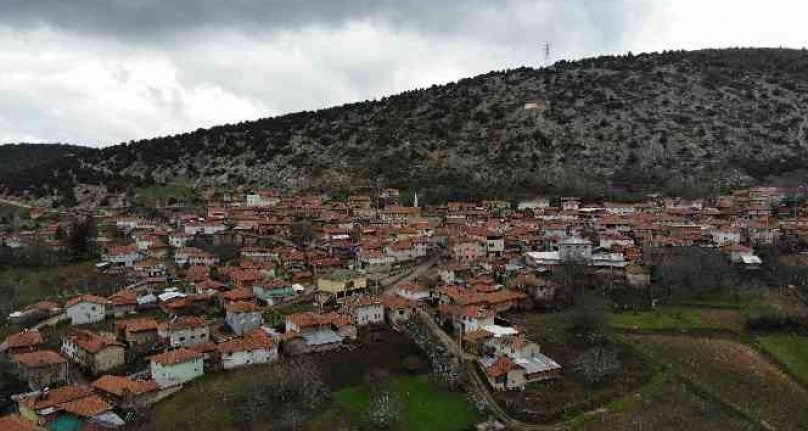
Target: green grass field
[791,351]
[679,318]
[25,286]
[424,406]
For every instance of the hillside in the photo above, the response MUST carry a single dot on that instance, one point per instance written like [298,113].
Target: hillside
[677,122]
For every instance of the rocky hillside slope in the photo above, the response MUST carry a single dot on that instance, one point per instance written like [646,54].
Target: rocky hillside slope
[676,122]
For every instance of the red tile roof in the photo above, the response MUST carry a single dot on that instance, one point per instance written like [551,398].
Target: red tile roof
[86,407]
[500,367]
[86,298]
[42,358]
[186,322]
[140,324]
[119,385]
[177,356]
[16,423]
[56,396]
[239,294]
[90,341]
[27,338]
[242,307]
[243,345]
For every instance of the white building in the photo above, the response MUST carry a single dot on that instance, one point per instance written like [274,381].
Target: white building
[86,309]
[365,310]
[534,204]
[262,199]
[726,235]
[241,352]
[185,331]
[575,249]
[369,312]
[125,255]
[176,367]
[495,244]
[243,317]
[179,239]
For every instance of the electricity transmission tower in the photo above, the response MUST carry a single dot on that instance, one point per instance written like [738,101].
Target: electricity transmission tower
[546,48]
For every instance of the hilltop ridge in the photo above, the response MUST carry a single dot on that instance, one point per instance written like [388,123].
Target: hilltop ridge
[679,122]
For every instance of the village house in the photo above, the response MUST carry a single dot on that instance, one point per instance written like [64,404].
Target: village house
[123,303]
[149,268]
[257,348]
[342,283]
[373,259]
[315,332]
[726,235]
[127,393]
[124,255]
[29,340]
[742,255]
[465,249]
[194,256]
[42,368]
[505,373]
[176,367]
[184,331]
[239,294]
[533,204]
[243,317]
[274,291]
[467,318]
[68,406]
[179,239]
[365,310]
[258,254]
[263,199]
[93,352]
[398,310]
[87,309]
[139,334]
[404,251]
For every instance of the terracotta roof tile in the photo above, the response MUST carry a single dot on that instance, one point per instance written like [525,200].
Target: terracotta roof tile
[119,385]
[90,341]
[186,322]
[16,423]
[141,324]
[42,358]
[87,407]
[56,396]
[27,338]
[86,298]
[177,356]
[500,367]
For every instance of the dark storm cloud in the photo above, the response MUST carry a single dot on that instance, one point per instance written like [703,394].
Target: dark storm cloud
[101,71]
[154,18]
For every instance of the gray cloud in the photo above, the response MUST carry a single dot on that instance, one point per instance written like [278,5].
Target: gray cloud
[156,18]
[104,71]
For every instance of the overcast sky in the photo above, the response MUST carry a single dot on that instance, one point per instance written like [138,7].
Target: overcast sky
[98,72]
